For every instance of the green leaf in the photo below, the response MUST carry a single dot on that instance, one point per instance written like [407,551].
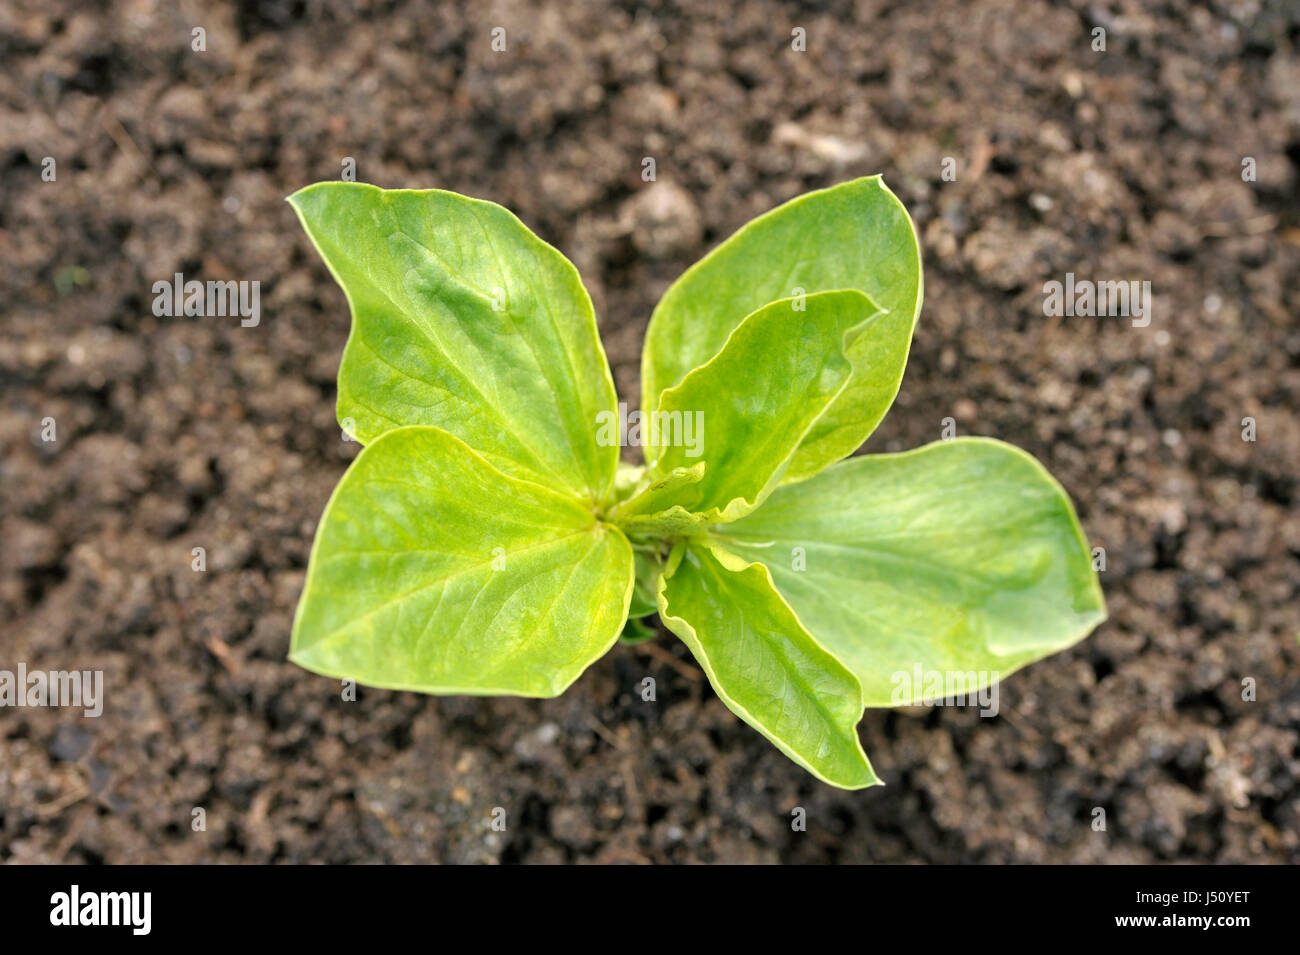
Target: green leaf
[637,631]
[643,591]
[659,491]
[963,557]
[667,525]
[464,320]
[763,664]
[433,571]
[628,479]
[856,235]
[753,402]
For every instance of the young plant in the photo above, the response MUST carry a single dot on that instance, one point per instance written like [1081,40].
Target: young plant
[488,540]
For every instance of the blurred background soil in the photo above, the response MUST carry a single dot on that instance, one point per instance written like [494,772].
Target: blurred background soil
[175,433]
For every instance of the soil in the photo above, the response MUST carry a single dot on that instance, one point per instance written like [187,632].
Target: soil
[176,433]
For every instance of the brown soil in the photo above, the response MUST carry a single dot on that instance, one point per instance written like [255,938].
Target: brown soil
[175,433]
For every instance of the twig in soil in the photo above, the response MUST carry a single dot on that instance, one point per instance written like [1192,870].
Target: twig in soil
[1255,225]
[79,792]
[603,732]
[221,650]
[1021,728]
[635,804]
[115,129]
[663,656]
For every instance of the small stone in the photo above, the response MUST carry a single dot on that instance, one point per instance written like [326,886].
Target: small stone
[663,220]
[32,545]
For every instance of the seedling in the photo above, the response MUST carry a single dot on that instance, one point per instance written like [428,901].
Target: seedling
[488,540]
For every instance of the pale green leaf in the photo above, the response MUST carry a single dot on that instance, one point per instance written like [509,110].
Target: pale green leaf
[667,525]
[856,235]
[637,631]
[464,320]
[658,490]
[763,664]
[962,558]
[753,402]
[433,571]
[643,593]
